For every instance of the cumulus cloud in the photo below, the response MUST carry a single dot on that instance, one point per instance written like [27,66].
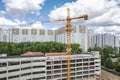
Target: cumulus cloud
[108,29]
[5,22]
[100,12]
[2,13]
[22,7]
[37,25]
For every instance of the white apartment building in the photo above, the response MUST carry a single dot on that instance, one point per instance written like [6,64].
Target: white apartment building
[106,39]
[83,67]
[89,34]
[26,34]
[79,35]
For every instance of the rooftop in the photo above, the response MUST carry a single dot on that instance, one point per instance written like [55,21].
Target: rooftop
[32,54]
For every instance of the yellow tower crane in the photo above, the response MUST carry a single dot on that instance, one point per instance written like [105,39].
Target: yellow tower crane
[68,32]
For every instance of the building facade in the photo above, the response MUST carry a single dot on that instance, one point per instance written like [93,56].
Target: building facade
[106,39]
[22,68]
[79,35]
[83,66]
[26,35]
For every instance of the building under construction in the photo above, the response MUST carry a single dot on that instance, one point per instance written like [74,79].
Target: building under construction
[52,66]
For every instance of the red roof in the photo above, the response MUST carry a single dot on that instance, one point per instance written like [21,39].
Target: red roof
[32,54]
[55,54]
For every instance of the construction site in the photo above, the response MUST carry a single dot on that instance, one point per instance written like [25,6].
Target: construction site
[53,66]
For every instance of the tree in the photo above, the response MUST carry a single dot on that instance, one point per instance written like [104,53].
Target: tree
[116,53]
[108,52]
[76,48]
[89,49]
[118,67]
[109,63]
[102,58]
[118,59]
[19,48]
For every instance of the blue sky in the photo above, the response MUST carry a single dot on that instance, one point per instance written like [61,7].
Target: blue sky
[47,6]
[102,13]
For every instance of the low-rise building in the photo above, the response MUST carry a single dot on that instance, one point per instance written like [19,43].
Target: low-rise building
[50,67]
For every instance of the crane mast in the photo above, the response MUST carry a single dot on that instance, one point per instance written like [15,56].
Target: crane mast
[68,44]
[68,49]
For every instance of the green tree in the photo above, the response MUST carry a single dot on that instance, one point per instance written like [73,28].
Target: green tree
[76,48]
[109,63]
[89,49]
[19,48]
[116,53]
[118,67]
[118,59]
[102,58]
[108,52]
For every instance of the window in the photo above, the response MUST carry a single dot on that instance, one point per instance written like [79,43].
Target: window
[13,76]
[39,66]
[33,31]
[38,78]
[81,29]
[14,70]
[74,29]
[3,78]
[38,60]
[15,31]
[57,62]
[26,74]
[25,68]
[39,72]
[85,59]
[50,32]
[2,72]
[92,63]
[13,63]
[24,62]
[42,32]
[24,31]
[3,64]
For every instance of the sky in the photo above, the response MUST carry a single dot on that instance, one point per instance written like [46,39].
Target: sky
[103,15]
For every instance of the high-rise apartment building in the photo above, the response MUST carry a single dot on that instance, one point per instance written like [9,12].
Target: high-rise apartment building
[89,34]
[106,39]
[79,35]
[26,34]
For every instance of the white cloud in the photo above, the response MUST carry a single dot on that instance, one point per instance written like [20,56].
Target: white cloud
[21,7]
[8,23]
[2,12]
[37,25]
[54,28]
[100,12]
[5,22]
[108,29]
[99,30]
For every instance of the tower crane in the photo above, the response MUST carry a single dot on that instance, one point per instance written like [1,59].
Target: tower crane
[68,32]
